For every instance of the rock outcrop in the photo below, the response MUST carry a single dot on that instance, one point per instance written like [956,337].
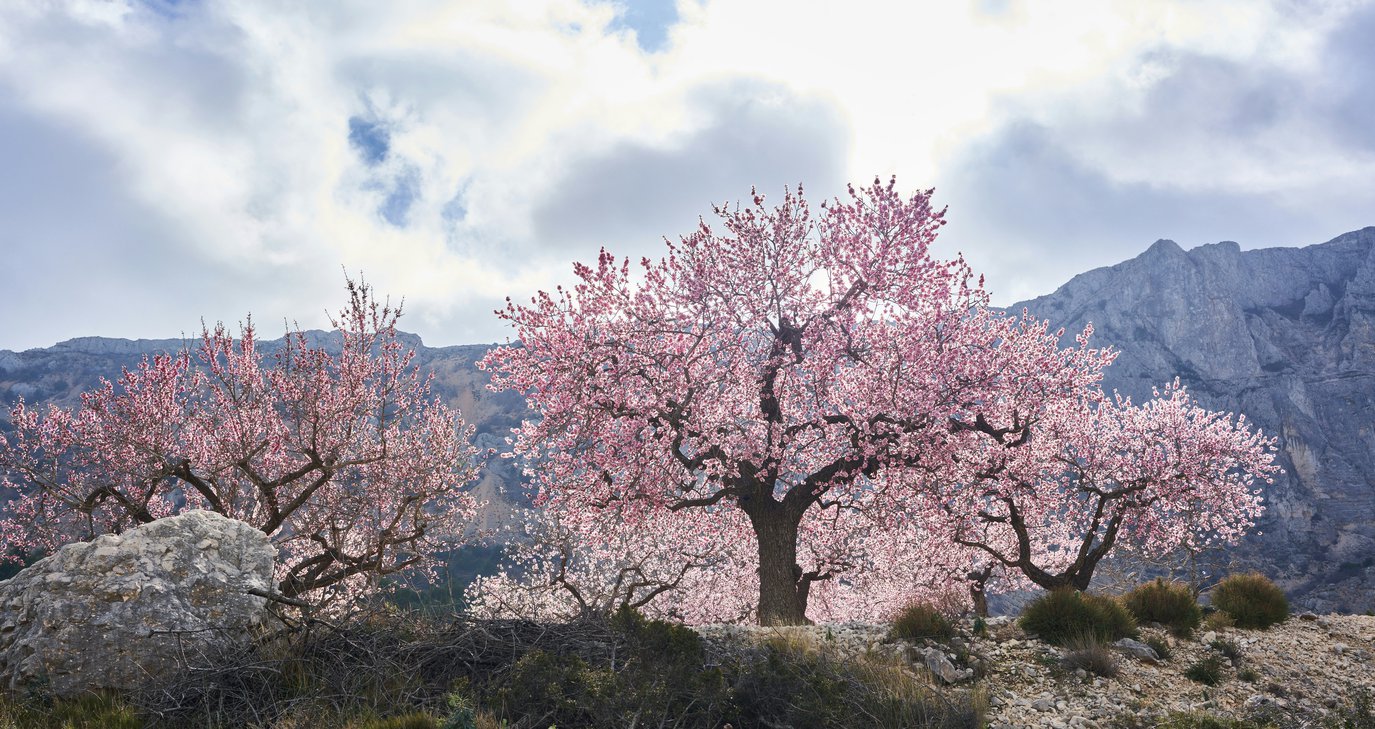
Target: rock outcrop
[1286,336]
[125,609]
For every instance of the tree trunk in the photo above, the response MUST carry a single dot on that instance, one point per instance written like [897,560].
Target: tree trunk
[782,590]
[1078,580]
[978,582]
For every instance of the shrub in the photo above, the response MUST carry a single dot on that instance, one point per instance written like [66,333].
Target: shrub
[658,640]
[1228,648]
[1160,646]
[1252,600]
[657,673]
[980,626]
[1359,713]
[1207,671]
[1062,615]
[922,620]
[1218,620]
[1168,603]
[1092,655]
[1249,675]
[510,674]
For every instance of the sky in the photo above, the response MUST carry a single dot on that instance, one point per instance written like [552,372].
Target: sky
[168,161]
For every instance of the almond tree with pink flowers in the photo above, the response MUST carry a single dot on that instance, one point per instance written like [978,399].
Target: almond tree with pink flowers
[785,365]
[347,461]
[1101,472]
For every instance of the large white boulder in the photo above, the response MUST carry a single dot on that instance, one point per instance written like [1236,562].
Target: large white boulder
[126,609]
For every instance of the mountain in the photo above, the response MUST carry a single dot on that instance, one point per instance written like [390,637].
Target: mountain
[1285,336]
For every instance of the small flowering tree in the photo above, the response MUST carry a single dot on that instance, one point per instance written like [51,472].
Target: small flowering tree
[345,460]
[1102,472]
[783,368]
[564,566]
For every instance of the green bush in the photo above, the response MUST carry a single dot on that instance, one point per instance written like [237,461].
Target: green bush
[1169,603]
[1062,615]
[1252,600]
[922,620]
[1207,671]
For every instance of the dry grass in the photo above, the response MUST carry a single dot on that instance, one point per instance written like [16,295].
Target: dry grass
[1088,652]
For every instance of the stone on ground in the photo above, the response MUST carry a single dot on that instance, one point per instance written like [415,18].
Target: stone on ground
[123,610]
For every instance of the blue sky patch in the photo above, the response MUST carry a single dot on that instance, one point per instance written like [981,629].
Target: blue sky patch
[371,139]
[650,19]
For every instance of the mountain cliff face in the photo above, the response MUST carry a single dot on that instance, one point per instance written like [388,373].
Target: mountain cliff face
[1285,336]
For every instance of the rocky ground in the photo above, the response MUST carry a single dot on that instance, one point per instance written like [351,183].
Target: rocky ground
[1295,674]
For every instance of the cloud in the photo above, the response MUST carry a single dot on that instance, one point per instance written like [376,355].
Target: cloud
[233,156]
[1027,211]
[1190,145]
[631,195]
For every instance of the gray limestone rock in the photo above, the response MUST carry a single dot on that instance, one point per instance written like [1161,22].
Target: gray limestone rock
[1137,649]
[124,609]
[940,666]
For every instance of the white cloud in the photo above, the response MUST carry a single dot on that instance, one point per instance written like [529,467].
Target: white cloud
[519,136]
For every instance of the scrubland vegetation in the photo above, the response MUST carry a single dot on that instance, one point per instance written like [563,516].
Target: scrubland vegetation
[394,669]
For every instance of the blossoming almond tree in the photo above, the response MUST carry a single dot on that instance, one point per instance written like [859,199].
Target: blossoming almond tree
[783,365]
[347,461]
[1101,471]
